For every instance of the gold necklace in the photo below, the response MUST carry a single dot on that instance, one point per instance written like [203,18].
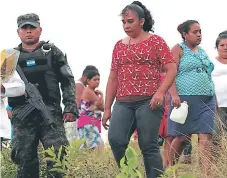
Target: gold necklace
[135,43]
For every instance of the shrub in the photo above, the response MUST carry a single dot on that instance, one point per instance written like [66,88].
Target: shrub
[8,168]
[84,163]
[101,164]
[129,165]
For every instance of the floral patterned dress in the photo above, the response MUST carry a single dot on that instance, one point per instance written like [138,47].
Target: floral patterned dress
[89,124]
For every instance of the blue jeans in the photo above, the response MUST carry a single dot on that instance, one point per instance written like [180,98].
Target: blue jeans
[126,117]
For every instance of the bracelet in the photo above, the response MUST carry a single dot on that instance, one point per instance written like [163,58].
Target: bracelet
[9,107]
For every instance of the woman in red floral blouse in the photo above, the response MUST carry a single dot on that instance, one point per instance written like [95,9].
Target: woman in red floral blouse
[135,82]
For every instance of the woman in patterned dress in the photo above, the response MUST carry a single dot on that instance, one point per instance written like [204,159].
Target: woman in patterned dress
[195,86]
[80,84]
[134,81]
[89,122]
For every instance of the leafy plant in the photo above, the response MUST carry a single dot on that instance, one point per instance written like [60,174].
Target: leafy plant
[8,168]
[63,164]
[172,172]
[129,165]
[101,164]
[77,162]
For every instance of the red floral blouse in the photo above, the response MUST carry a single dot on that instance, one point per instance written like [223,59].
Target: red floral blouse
[139,66]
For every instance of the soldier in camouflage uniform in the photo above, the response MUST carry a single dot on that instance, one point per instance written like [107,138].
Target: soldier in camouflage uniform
[33,60]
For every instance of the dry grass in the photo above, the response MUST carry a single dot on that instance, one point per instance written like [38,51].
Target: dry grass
[102,165]
[217,161]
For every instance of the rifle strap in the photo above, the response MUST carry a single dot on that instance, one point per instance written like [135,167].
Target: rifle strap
[21,73]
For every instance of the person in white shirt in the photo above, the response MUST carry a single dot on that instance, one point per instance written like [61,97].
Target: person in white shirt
[219,77]
[12,87]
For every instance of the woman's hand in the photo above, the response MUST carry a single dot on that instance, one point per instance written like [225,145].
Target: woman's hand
[98,92]
[10,113]
[157,100]
[106,117]
[92,107]
[176,102]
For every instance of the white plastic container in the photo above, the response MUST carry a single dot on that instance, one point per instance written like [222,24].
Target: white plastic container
[180,114]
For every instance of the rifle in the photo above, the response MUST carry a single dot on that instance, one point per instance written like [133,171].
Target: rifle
[35,101]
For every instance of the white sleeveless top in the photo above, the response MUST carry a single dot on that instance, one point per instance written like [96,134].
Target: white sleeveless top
[71,127]
[78,81]
[219,76]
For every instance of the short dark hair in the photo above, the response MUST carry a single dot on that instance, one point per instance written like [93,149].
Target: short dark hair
[185,27]
[89,68]
[142,12]
[222,35]
[92,74]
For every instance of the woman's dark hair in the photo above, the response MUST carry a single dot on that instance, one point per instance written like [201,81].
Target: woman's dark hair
[92,74]
[222,35]
[185,27]
[142,12]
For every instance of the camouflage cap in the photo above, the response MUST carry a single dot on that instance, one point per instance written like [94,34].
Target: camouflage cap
[28,19]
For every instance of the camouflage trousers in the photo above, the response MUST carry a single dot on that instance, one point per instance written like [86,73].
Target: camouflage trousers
[27,135]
